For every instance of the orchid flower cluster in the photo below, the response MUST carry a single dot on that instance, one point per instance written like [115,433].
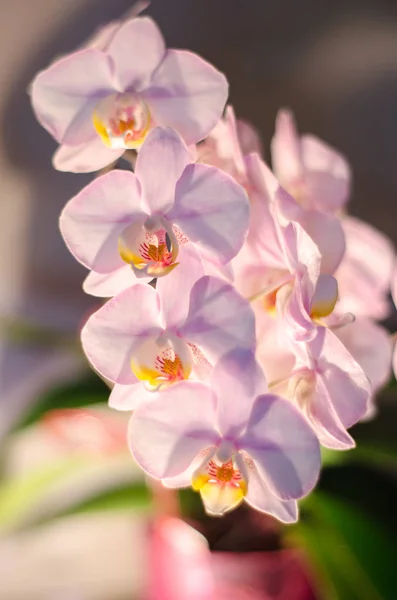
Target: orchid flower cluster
[241,330]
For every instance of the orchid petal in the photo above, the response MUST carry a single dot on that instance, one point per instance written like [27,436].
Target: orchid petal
[286,149]
[371,346]
[301,254]
[160,163]
[211,209]
[222,147]
[165,434]
[267,247]
[219,499]
[174,289]
[237,380]
[107,285]
[212,266]
[366,272]
[260,497]
[93,220]
[85,158]
[111,335]
[326,423]
[129,397]
[185,478]
[327,233]
[137,49]
[64,95]
[328,175]
[219,318]
[187,94]
[346,383]
[296,324]
[276,360]
[283,447]
[324,297]
[249,138]
[325,230]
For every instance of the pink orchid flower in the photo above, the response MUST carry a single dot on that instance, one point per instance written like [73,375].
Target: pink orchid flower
[365,274]
[231,440]
[370,345]
[302,309]
[227,145]
[311,296]
[367,342]
[315,174]
[264,244]
[100,101]
[118,225]
[146,339]
[296,291]
[324,380]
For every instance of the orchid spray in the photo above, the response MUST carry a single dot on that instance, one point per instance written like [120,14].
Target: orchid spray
[240,323]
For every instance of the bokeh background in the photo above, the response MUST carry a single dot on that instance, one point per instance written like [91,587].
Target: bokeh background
[335,64]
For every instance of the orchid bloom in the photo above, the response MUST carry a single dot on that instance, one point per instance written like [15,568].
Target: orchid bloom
[126,225]
[263,243]
[304,302]
[227,145]
[323,379]
[303,309]
[102,100]
[330,388]
[315,174]
[247,444]
[297,290]
[146,339]
[365,275]
[184,350]
[370,345]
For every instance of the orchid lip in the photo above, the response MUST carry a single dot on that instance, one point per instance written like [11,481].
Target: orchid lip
[162,362]
[221,484]
[122,120]
[150,248]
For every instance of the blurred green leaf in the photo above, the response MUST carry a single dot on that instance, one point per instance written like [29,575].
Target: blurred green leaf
[18,495]
[87,391]
[77,483]
[376,440]
[130,496]
[191,504]
[348,528]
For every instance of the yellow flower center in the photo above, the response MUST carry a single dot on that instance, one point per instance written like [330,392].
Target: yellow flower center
[148,250]
[222,487]
[166,369]
[122,120]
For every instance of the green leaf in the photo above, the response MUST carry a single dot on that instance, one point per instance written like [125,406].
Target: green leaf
[78,483]
[376,440]
[85,392]
[348,529]
[17,496]
[127,497]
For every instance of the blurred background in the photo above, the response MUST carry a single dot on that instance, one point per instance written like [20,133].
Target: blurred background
[74,512]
